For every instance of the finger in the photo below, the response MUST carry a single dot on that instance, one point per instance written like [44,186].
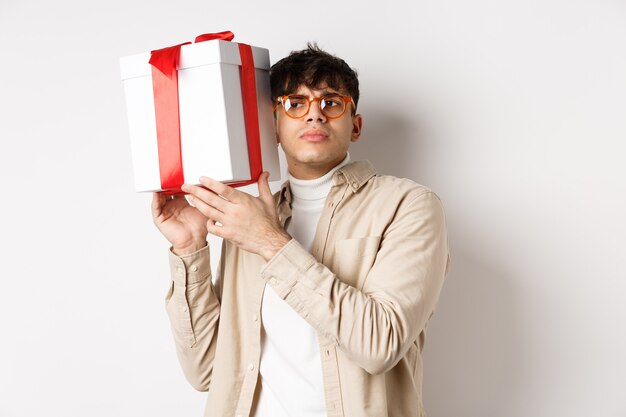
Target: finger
[221,189]
[158,200]
[214,229]
[207,196]
[209,211]
[265,193]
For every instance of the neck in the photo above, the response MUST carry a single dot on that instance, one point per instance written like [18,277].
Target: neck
[311,189]
[309,172]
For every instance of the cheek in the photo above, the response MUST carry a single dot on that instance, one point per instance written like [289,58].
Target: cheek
[283,128]
[346,129]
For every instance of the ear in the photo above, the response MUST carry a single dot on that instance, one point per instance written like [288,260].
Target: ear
[357,125]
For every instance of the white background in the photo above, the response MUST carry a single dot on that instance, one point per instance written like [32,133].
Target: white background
[513,111]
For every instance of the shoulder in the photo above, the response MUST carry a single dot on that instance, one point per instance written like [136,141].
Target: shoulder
[403,187]
[402,196]
[388,187]
[386,196]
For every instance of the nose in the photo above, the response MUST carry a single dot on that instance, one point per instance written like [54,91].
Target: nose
[315,112]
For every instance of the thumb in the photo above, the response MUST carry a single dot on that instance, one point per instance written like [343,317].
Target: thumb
[265,193]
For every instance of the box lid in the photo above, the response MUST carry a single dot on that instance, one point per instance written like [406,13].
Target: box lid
[195,55]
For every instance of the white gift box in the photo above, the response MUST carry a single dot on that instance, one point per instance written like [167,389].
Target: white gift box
[212,127]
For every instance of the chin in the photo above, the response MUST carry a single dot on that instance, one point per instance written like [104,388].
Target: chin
[314,158]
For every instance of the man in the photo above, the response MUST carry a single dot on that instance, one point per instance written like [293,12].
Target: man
[324,290]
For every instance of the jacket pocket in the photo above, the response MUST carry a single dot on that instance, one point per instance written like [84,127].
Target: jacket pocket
[354,258]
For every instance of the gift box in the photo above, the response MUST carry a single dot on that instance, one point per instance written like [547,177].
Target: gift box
[200,109]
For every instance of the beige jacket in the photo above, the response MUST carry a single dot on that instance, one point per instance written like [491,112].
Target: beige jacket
[369,287]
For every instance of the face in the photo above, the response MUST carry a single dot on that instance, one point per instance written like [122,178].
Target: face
[315,144]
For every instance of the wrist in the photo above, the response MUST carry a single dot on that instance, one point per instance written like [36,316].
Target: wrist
[188,249]
[276,244]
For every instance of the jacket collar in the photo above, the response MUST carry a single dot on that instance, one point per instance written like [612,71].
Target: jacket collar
[355,174]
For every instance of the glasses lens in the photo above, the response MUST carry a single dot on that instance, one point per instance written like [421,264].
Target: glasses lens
[333,105]
[296,106]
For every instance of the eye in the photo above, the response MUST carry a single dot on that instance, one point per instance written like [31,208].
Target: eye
[295,102]
[332,101]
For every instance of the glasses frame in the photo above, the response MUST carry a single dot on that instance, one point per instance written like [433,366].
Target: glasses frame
[281,101]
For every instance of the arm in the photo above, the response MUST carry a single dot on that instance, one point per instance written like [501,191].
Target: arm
[193,308]
[192,303]
[376,326]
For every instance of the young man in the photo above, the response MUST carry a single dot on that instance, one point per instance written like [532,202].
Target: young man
[324,290]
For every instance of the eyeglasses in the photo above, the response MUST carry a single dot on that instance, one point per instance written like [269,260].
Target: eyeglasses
[332,106]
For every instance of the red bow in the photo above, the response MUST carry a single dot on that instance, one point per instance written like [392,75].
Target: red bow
[166,59]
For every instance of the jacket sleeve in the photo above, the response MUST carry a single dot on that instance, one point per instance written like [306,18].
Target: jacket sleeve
[374,326]
[193,308]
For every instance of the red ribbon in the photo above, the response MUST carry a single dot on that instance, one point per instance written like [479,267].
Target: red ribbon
[165,87]
[250,114]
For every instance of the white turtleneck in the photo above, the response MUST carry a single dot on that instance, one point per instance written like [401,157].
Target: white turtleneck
[308,197]
[290,368]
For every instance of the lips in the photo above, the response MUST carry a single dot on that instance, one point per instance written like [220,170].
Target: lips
[314,135]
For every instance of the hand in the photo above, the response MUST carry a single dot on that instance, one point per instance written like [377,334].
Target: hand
[249,222]
[183,225]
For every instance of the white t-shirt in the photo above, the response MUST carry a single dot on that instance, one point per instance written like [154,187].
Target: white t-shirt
[290,368]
